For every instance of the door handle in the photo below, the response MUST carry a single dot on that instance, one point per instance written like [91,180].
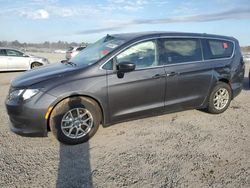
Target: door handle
[172,74]
[158,76]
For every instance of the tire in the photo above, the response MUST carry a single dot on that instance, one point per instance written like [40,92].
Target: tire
[35,65]
[225,99]
[65,114]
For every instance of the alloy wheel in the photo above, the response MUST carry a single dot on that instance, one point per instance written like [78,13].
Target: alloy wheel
[221,99]
[76,123]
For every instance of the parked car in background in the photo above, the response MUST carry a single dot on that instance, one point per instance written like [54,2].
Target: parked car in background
[73,51]
[126,76]
[249,78]
[246,57]
[12,59]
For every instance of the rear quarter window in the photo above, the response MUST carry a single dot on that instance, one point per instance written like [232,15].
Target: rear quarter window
[217,49]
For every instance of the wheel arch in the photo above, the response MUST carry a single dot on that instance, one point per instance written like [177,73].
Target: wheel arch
[215,81]
[55,103]
[34,62]
[225,80]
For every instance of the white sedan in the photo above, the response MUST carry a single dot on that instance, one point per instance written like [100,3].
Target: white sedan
[12,59]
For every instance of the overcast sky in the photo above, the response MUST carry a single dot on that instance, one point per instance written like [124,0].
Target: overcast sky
[88,20]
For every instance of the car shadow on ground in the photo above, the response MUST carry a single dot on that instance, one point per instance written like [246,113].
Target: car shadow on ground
[246,84]
[74,166]
[12,71]
[74,163]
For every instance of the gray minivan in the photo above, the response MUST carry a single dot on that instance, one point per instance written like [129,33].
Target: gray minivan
[126,76]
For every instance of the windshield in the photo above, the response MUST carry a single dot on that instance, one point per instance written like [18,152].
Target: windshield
[96,51]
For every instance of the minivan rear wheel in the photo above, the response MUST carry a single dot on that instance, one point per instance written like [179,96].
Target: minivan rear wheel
[220,98]
[75,120]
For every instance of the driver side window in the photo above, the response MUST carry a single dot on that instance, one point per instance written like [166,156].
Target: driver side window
[143,55]
[14,53]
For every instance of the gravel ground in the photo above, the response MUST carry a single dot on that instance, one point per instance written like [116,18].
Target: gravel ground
[184,149]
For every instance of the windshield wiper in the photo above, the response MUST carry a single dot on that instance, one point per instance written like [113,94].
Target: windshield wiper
[108,37]
[68,62]
[71,63]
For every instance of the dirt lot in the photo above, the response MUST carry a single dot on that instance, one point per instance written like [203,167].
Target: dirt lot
[185,149]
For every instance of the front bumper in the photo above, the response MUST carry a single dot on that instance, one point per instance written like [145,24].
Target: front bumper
[28,118]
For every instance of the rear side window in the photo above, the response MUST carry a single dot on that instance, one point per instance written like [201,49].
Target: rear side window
[218,49]
[180,50]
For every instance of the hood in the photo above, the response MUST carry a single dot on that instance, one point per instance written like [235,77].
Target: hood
[37,57]
[34,56]
[43,73]
[31,55]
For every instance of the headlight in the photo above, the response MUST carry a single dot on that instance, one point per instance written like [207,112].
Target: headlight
[28,93]
[45,60]
[23,93]
[15,93]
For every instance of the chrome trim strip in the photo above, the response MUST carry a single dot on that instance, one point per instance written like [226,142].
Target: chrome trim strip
[163,37]
[168,65]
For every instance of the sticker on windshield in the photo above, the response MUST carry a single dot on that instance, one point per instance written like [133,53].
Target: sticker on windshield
[110,45]
[104,52]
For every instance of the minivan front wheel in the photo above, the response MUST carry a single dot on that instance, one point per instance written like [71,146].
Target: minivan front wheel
[220,98]
[75,120]
[76,123]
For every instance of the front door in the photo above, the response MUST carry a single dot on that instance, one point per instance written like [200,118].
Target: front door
[141,91]
[16,60]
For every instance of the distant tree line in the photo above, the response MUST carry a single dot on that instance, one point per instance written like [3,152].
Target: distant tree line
[42,46]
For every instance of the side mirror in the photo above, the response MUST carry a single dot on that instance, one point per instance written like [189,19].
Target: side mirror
[125,67]
[25,55]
